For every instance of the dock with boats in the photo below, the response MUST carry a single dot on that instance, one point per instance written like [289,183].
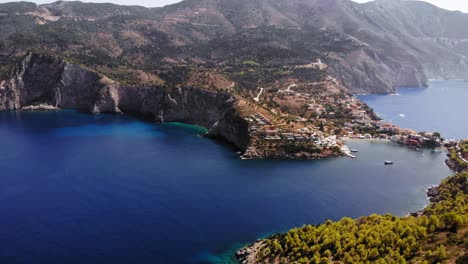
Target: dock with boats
[345,150]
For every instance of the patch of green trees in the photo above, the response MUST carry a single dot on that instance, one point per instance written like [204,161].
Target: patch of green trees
[380,238]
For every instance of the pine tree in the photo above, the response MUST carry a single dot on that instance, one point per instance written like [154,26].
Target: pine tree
[440,253]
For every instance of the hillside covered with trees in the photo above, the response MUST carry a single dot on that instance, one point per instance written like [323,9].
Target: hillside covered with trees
[438,234]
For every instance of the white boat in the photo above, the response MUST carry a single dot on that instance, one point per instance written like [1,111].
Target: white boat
[388,162]
[354,150]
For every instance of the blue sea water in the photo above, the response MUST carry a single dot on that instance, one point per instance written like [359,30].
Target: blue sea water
[441,107]
[78,188]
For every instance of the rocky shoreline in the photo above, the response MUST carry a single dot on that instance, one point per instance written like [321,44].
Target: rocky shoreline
[247,255]
[452,165]
[41,107]
[45,83]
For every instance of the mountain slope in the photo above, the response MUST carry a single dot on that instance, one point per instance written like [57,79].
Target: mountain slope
[407,38]
[436,37]
[371,47]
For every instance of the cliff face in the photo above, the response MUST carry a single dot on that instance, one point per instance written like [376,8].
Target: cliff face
[46,80]
[363,72]
[213,110]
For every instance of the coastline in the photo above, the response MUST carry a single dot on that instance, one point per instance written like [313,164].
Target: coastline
[248,253]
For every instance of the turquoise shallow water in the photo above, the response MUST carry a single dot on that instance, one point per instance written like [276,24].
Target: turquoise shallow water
[77,188]
[442,107]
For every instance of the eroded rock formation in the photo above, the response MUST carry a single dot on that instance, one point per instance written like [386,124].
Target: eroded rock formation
[46,80]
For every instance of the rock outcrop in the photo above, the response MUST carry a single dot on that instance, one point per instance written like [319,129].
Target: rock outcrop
[46,80]
[247,255]
[41,79]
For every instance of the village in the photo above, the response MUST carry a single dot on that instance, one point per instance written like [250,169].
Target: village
[387,131]
[262,128]
[321,114]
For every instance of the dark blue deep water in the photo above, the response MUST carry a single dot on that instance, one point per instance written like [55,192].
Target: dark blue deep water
[77,188]
[442,107]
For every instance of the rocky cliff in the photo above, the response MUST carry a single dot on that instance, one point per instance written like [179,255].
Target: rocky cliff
[47,80]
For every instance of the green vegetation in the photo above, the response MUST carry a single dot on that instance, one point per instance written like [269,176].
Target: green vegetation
[439,234]
[464,146]
[250,63]
[17,7]
[7,64]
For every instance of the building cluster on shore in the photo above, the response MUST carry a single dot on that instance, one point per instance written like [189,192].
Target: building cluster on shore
[262,129]
[388,131]
[314,117]
[323,100]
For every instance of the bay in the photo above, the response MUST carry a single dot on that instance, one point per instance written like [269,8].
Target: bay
[78,188]
[441,107]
